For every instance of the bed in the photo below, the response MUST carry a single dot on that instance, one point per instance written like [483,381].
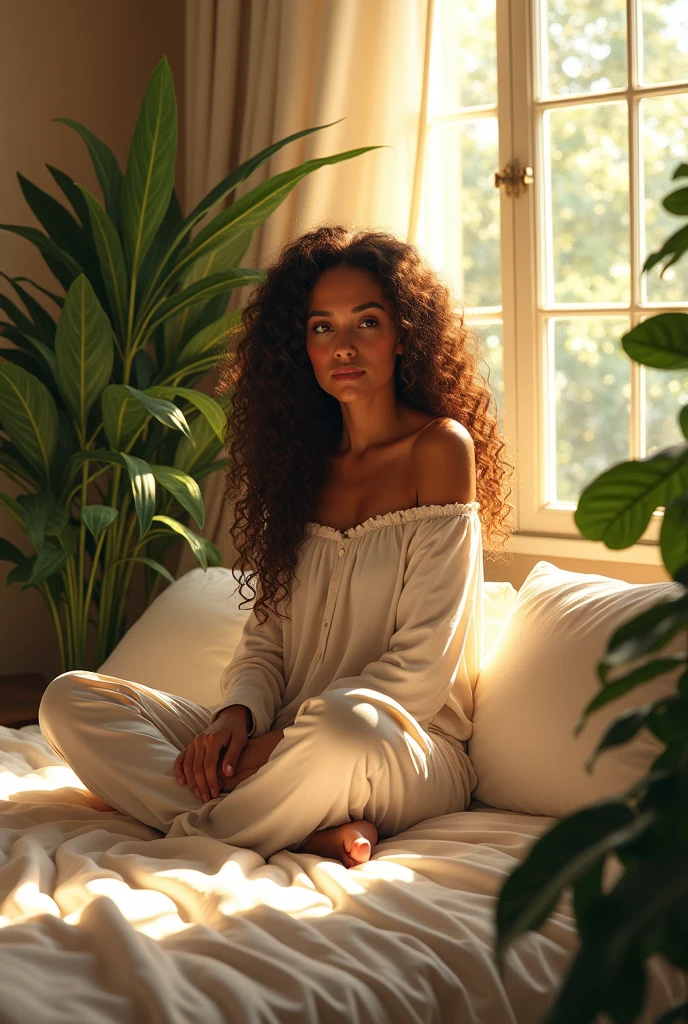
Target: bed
[103,920]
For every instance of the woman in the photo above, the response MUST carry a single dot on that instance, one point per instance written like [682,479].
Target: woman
[362,447]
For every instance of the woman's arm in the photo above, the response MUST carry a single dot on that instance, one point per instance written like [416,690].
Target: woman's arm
[255,675]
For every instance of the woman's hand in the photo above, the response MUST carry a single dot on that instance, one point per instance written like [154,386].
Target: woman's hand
[254,755]
[198,764]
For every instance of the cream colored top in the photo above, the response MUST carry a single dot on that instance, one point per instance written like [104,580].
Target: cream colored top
[393,604]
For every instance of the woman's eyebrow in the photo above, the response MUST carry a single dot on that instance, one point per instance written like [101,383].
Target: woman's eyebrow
[355,309]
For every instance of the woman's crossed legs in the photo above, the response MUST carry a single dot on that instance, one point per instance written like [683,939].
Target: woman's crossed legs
[350,756]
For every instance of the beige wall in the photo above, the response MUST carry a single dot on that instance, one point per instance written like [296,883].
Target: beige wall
[90,62]
[517,568]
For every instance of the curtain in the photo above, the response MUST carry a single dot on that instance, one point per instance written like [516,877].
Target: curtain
[259,70]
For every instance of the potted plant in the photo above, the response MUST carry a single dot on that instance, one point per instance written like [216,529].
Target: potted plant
[646,827]
[100,423]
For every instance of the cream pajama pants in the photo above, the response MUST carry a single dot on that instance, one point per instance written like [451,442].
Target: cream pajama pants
[349,754]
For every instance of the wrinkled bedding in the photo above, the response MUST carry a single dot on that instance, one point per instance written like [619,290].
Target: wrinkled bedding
[102,920]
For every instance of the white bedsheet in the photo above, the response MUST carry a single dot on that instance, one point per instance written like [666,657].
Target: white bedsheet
[102,920]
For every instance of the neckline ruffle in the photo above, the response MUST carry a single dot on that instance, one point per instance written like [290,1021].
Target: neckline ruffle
[403,515]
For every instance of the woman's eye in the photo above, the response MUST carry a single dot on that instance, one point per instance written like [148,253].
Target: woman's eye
[368,319]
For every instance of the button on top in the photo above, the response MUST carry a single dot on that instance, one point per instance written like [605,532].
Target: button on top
[341,552]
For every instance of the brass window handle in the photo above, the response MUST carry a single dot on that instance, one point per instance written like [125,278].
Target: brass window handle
[513,176]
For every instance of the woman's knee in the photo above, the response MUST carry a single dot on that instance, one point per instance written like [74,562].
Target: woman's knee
[56,696]
[349,719]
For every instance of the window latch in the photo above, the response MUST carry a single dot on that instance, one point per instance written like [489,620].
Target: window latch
[513,176]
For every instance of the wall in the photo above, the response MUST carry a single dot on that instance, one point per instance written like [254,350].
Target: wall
[90,62]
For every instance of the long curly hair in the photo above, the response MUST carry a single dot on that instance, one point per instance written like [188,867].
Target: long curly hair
[282,427]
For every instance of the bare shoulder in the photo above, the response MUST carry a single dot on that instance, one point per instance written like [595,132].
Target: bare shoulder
[444,463]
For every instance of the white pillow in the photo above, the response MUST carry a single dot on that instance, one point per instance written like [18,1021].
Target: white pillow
[538,677]
[184,640]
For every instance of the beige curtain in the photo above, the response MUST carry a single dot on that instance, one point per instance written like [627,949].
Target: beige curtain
[259,70]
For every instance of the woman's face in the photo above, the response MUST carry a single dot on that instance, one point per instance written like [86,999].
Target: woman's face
[339,332]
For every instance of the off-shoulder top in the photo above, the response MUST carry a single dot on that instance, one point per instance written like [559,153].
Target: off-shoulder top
[393,604]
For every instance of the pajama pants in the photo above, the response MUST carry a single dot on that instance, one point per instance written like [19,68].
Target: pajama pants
[348,754]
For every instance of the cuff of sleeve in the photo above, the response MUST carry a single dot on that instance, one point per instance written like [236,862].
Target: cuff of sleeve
[254,710]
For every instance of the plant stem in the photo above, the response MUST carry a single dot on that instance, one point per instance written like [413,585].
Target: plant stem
[83,625]
[108,572]
[89,591]
[45,590]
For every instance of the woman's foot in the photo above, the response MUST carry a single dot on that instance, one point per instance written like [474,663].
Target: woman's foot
[351,843]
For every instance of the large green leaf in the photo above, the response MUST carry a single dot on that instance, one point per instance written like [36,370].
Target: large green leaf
[671,251]
[635,909]
[215,197]
[204,550]
[10,552]
[43,516]
[58,222]
[123,414]
[201,291]
[616,507]
[208,444]
[677,202]
[105,164]
[49,560]
[84,350]
[182,487]
[248,212]
[241,173]
[149,177]
[43,326]
[19,318]
[621,685]
[151,563]
[143,488]
[564,853]
[71,191]
[673,538]
[126,409]
[57,299]
[648,631]
[207,406]
[208,343]
[62,264]
[188,323]
[110,257]
[97,518]
[45,352]
[660,341]
[29,416]
[12,506]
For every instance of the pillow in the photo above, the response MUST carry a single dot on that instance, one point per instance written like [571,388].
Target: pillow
[498,597]
[184,640]
[538,677]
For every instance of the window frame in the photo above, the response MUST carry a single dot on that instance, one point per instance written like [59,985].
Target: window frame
[526,406]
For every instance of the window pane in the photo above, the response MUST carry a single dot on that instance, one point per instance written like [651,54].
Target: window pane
[592,400]
[589,242]
[459,216]
[666,391]
[664,32]
[586,46]
[664,128]
[463,70]
[492,351]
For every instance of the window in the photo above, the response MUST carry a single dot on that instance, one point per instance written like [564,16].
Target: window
[593,101]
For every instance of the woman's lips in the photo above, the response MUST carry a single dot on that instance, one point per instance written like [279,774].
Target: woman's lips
[348,376]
